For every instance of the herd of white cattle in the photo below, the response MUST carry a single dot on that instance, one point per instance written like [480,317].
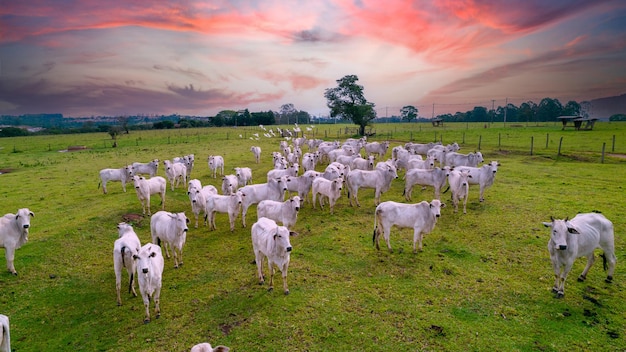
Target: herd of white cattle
[349,166]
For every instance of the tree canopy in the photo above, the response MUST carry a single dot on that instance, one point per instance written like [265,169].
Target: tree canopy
[348,102]
[408,113]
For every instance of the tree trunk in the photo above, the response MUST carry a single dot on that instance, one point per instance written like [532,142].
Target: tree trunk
[361,130]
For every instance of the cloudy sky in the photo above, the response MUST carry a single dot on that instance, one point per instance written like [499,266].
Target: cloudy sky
[122,57]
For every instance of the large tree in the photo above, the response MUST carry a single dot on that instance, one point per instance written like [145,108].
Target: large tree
[408,113]
[347,102]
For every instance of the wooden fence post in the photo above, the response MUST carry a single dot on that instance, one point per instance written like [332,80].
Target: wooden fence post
[547,139]
[560,142]
[480,140]
[603,146]
[532,139]
[613,146]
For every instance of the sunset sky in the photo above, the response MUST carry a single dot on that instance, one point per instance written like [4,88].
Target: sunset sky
[124,57]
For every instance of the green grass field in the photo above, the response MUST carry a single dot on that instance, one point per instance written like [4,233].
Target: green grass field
[482,282]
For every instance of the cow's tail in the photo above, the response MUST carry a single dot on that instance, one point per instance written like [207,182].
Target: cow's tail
[159,241]
[130,282]
[375,234]
[447,189]
[99,184]
[604,264]
[123,249]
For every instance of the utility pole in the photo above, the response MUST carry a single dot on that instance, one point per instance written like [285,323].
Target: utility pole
[493,111]
[433,111]
[506,107]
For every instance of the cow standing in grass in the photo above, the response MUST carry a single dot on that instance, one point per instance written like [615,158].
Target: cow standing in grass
[150,276]
[124,249]
[5,334]
[14,233]
[171,229]
[579,237]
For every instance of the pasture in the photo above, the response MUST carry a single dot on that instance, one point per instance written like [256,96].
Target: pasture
[482,282]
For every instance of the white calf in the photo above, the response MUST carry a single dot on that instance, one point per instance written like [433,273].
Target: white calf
[146,168]
[124,249]
[459,186]
[150,274]
[421,217]
[328,189]
[197,197]
[216,162]
[14,233]
[257,153]
[176,173]
[271,241]
[274,189]
[363,164]
[455,159]
[380,179]
[482,176]
[171,229]
[244,175]
[577,238]
[435,178]
[230,204]
[230,183]
[123,175]
[147,187]
[377,148]
[301,184]
[278,173]
[284,212]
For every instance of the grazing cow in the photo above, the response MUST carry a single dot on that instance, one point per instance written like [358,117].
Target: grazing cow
[126,246]
[216,162]
[244,175]
[363,164]
[171,229]
[257,153]
[149,274]
[147,187]
[230,183]
[301,184]
[482,176]
[329,189]
[419,148]
[14,233]
[380,179]
[421,217]
[123,174]
[198,196]
[377,148]
[176,173]
[271,241]
[5,334]
[455,159]
[459,186]
[274,189]
[146,168]
[206,347]
[230,204]
[577,238]
[284,212]
[278,173]
[434,177]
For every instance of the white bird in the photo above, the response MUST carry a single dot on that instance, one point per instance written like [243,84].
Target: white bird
[240,136]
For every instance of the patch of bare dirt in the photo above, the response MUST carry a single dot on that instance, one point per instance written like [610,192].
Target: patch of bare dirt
[5,171]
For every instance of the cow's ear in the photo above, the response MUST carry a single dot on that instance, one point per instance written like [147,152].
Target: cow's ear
[443,205]
[291,233]
[187,219]
[32,214]
[135,257]
[153,254]
[547,224]
[573,231]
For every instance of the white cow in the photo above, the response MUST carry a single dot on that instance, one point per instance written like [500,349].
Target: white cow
[420,148]
[301,184]
[482,176]
[257,153]
[363,164]
[577,238]
[459,186]
[435,178]
[309,160]
[206,347]
[123,174]
[230,183]
[176,173]
[147,187]
[455,159]
[377,148]
[380,179]
[274,189]
[244,175]
[171,229]
[197,197]
[14,233]
[146,168]
[5,334]
[278,173]
[347,160]
[229,204]
[421,217]
[216,162]
[126,246]
[327,189]
[344,150]
[284,212]
[150,274]
[271,241]
[414,163]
